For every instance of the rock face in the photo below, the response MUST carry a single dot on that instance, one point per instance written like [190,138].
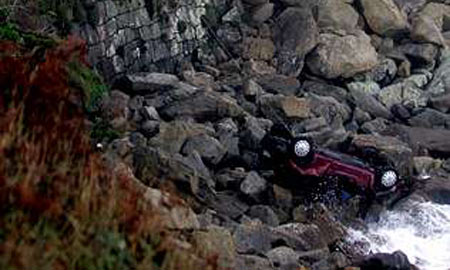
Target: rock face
[334,55]
[384,17]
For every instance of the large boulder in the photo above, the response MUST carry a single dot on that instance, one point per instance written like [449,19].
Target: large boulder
[337,14]
[428,24]
[202,106]
[145,83]
[295,35]
[209,148]
[278,107]
[368,103]
[335,55]
[384,17]
[435,189]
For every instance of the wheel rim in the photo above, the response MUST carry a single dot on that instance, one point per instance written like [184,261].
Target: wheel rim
[389,178]
[302,148]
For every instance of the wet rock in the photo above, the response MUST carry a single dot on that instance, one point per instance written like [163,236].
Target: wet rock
[384,17]
[425,165]
[279,84]
[252,262]
[334,55]
[145,83]
[395,261]
[202,106]
[337,14]
[282,256]
[172,135]
[331,230]
[429,118]
[227,203]
[279,107]
[253,185]
[209,148]
[265,214]
[216,240]
[369,104]
[293,45]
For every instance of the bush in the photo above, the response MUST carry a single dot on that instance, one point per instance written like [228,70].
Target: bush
[60,208]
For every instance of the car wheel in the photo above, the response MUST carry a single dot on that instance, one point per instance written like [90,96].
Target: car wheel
[386,178]
[303,150]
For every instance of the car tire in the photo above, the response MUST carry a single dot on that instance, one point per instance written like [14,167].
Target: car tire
[386,177]
[303,150]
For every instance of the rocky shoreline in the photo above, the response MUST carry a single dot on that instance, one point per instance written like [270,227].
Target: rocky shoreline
[348,74]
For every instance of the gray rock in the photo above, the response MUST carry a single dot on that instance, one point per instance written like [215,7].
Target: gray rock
[251,89]
[310,125]
[144,83]
[173,135]
[361,116]
[203,106]
[429,118]
[252,262]
[230,178]
[282,255]
[227,204]
[252,133]
[331,136]
[419,54]
[367,87]
[278,107]
[292,45]
[334,112]
[384,72]
[260,14]
[314,256]
[150,113]
[209,148]
[334,55]
[253,185]
[253,238]
[149,128]
[369,103]
[337,14]
[405,93]
[428,24]
[199,79]
[324,89]
[228,137]
[257,49]
[441,103]
[410,6]
[376,126]
[265,214]
[384,17]
[424,165]
[391,148]
[441,79]
[279,84]
[331,230]
[300,237]
[255,2]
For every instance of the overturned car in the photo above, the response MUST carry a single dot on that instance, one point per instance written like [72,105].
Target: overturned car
[292,157]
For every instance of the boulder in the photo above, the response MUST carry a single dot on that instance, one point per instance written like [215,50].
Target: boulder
[324,89]
[280,256]
[428,24]
[258,49]
[391,148]
[278,107]
[279,84]
[227,203]
[435,189]
[335,55]
[300,237]
[369,103]
[291,44]
[199,79]
[261,13]
[405,93]
[146,83]
[441,76]
[337,14]
[230,178]
[376,126]
[384,17]
[253,185]
[420,54]
[334,112]
[429,118]
[252,262]
[172,135]
[265,214]
[395,261]
[209,148]
[202,106]
[252,238]
[252,132]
